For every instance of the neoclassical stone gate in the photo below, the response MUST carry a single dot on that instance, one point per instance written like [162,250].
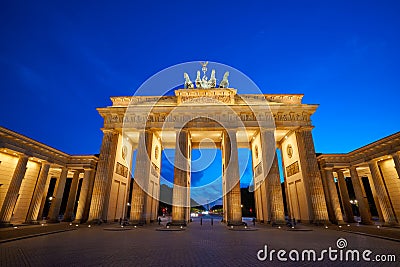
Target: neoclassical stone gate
[218,117]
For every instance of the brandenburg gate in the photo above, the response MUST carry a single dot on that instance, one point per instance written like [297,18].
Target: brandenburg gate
[39,182]
[216,117]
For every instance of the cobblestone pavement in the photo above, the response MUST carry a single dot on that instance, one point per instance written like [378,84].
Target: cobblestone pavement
[198,245]
[11,233]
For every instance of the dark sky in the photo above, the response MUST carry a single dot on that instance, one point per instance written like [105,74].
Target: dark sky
[59,60]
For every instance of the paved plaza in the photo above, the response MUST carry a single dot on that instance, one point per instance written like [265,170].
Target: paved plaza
[198,245]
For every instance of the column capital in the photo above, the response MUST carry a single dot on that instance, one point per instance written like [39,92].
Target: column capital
[23,156]
[45,162]
[304,129]
[395,154]
[180,130]
[339,170]
[263,129]
[106,130]
[76,171]
[372,161]
[353,167]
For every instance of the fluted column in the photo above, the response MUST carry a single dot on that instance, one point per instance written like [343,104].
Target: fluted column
[56,202]
[105,169]
[275,209]
[286,196]
[333,196]
[36,201]
[311,175]
[181,178]
[362,201]
[331,213]
[83,194]
[232,178]
[69,211]
[274,192]
[344,195]
[13,190]
[396,159]
[141,178]
[384,201]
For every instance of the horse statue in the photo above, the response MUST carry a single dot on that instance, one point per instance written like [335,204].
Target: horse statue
[224,83]
[212,83]
[188,82]
[198,80]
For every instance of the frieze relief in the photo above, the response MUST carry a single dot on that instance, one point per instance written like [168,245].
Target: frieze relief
[222,117]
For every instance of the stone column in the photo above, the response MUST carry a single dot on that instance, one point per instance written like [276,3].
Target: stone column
[344,195]
[105,169]
[69,211]
[181,178]
[232,178]
[139,211]
[86,209]
[56,202]
[258,203]
[44,198]
[275,209]
[33,212]
[289,210]
[12,193]
[396,159]
[331,212]
[312,176]
[83,195]
[376,200]
[274,191]
[384,201]
[333,196]
[362,201]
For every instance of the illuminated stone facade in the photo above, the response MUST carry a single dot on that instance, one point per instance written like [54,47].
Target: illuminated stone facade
[27,168]
[99,186]
[199,116]
[374,172]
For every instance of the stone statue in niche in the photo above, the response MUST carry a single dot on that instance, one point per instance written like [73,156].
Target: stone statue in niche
[188,82]
[224,83]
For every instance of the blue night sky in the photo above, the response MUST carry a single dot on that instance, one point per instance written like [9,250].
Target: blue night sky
[59,60]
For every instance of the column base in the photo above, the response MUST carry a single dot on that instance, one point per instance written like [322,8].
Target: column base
[137,222]
[278,222]
[53,221]
[96,221]
[366,222]
[177,223]
[390,224]
[350,220]
[32,222]
[236,223]
[321,222]
[5,224]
